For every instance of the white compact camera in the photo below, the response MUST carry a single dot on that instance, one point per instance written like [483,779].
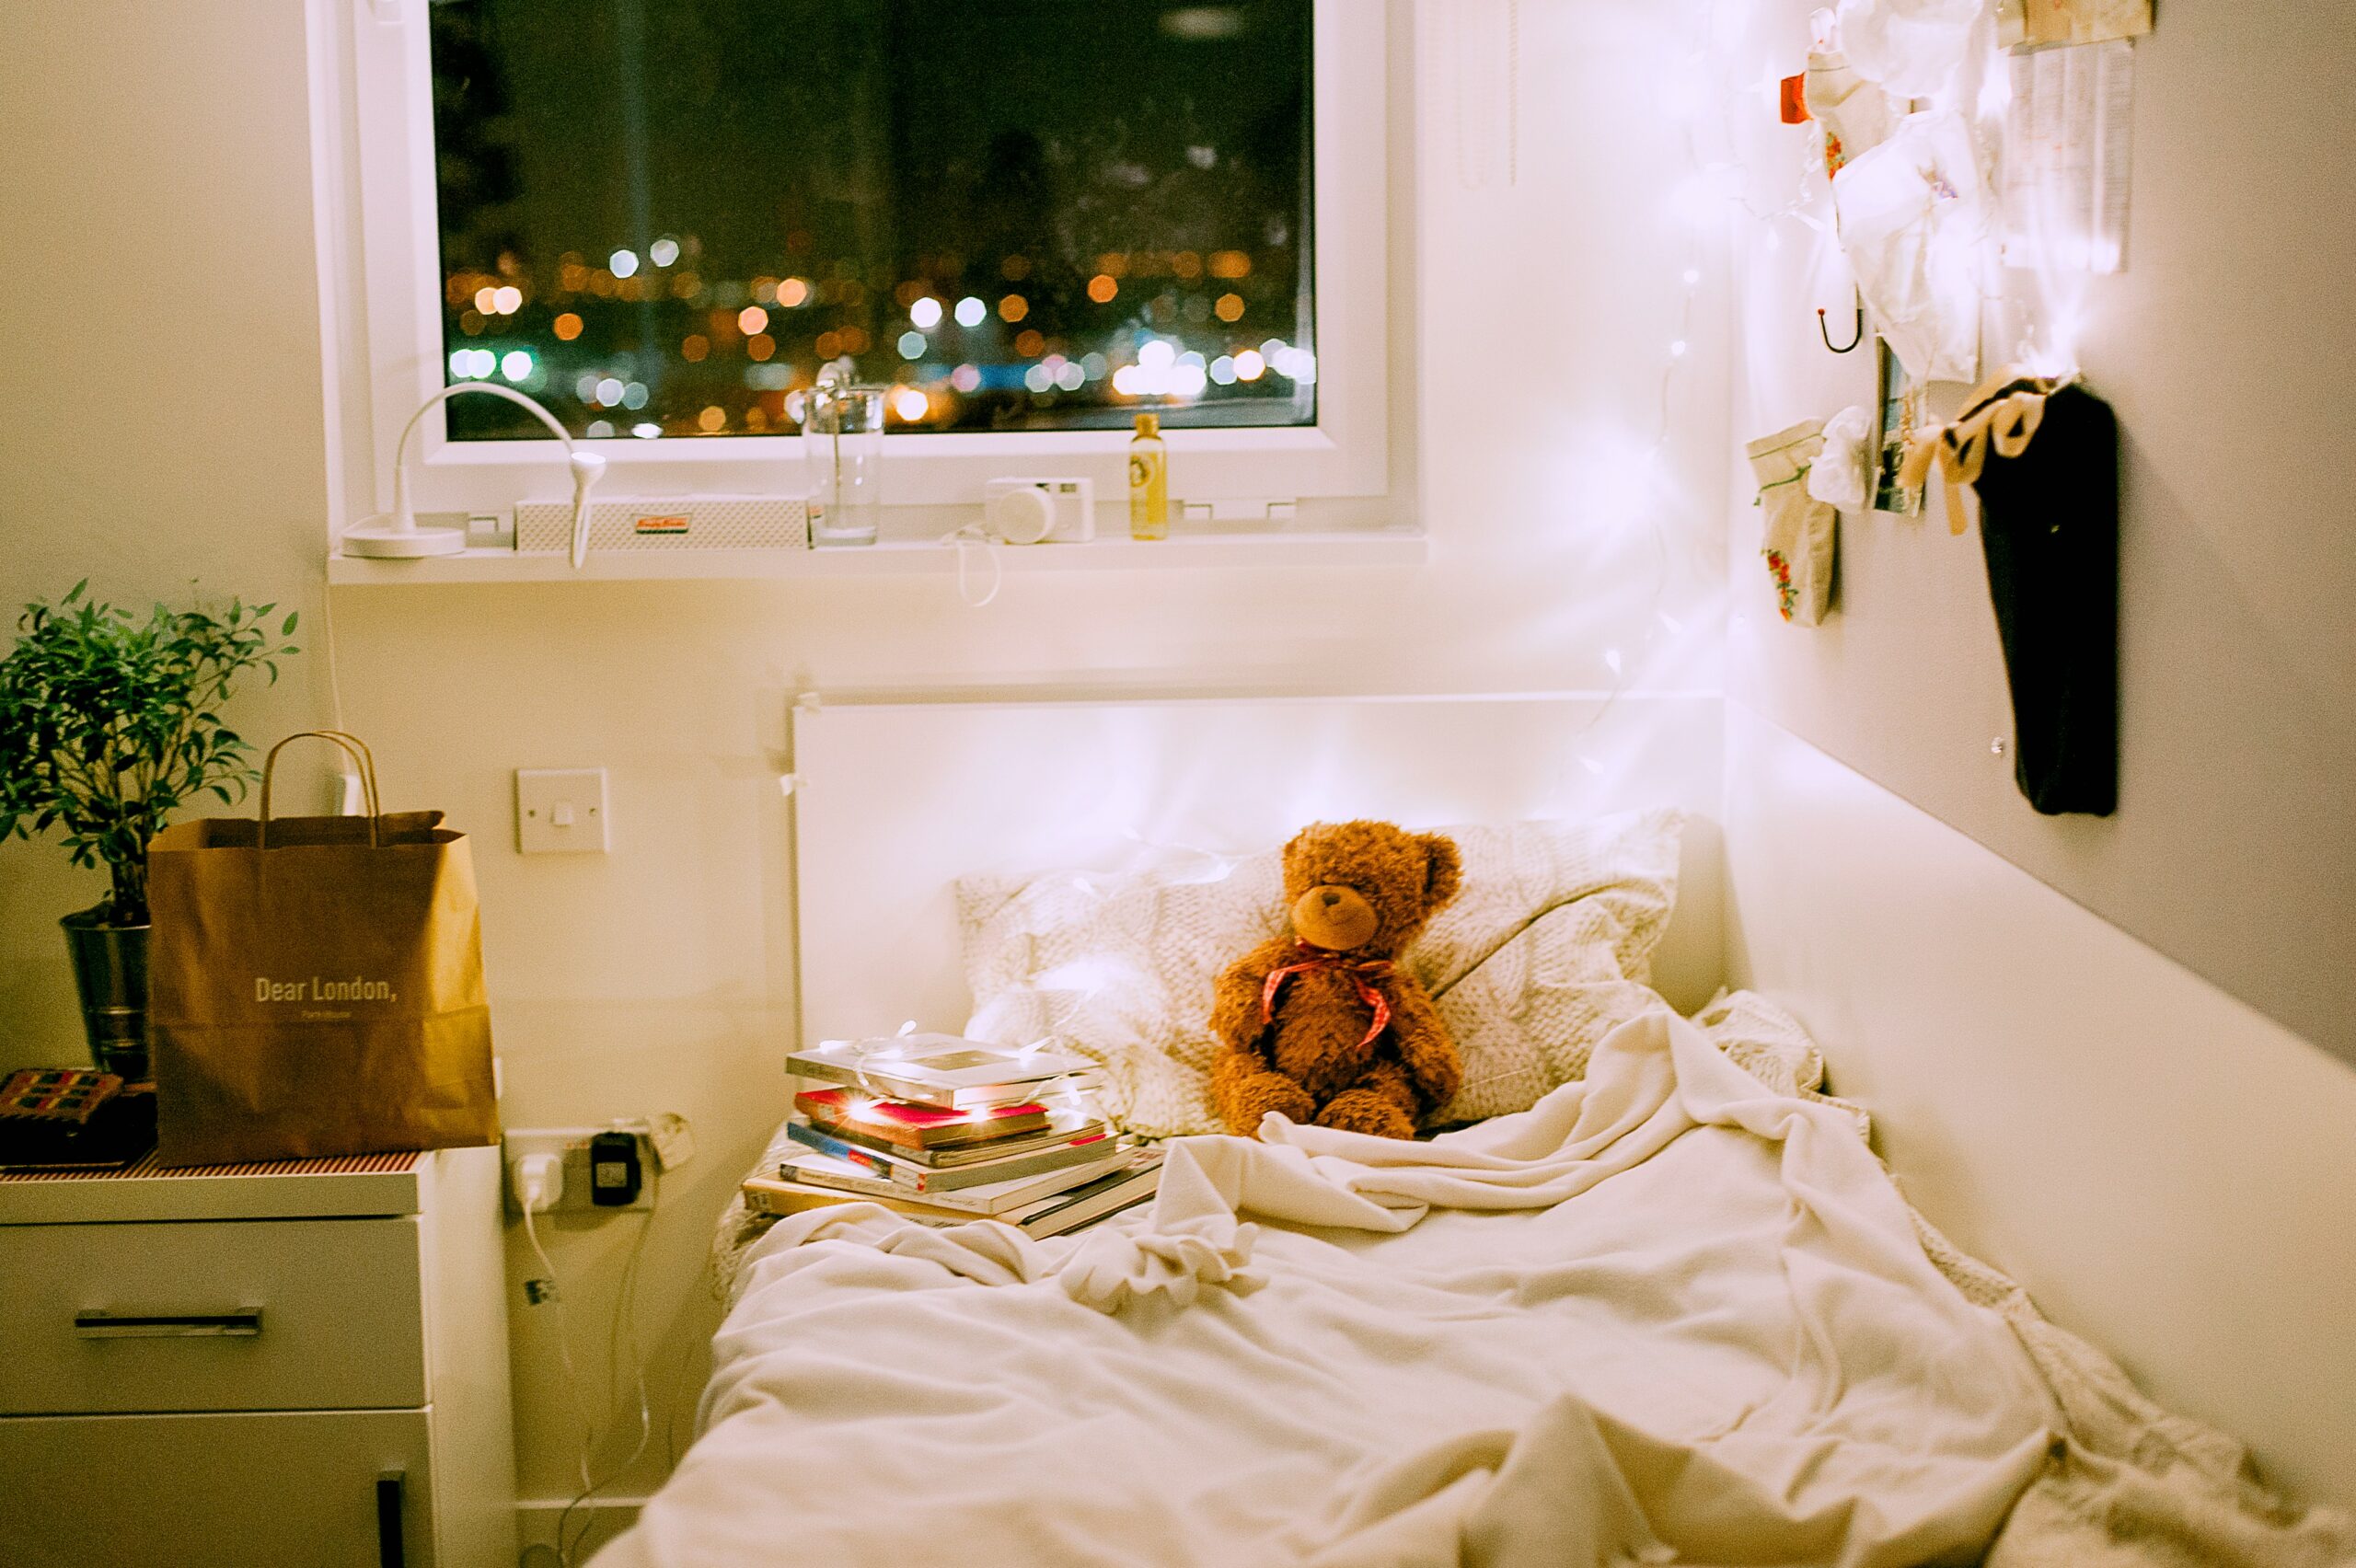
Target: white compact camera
[1040,512]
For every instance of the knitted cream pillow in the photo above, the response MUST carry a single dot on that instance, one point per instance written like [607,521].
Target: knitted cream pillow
[1546,949]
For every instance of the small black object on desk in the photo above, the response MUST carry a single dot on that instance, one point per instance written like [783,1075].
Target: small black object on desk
[69,1119]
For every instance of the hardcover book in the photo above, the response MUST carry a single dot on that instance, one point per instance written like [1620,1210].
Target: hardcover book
[783,1195]
[918,1127]
[1066,1211]
[941,1156]
[995,1198]
[911,1177]
[1108,1194]
[942,1069]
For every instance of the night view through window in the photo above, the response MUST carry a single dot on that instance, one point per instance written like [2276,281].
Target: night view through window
[663,217]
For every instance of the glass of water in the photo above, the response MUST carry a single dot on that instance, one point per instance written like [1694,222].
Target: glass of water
[842,438]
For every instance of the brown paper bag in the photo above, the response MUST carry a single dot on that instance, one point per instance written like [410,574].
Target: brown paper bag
[315,985]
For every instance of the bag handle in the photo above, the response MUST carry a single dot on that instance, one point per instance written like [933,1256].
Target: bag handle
[353,747]
[366,758]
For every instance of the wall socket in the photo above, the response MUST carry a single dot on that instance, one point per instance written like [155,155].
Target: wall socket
[571,1146]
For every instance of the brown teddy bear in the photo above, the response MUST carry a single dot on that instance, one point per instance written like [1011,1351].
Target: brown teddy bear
[1321,1025]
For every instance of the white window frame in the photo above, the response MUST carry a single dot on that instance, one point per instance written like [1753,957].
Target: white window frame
[372,126]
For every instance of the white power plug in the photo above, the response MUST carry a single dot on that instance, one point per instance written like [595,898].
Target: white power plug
[665,1143]
[538,1180]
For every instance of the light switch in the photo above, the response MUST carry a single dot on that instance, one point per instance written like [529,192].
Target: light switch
[560,811]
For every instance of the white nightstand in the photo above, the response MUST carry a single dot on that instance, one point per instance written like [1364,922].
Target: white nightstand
[301,1364]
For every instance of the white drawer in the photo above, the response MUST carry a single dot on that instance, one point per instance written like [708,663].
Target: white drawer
[277,1314]
[312,1489]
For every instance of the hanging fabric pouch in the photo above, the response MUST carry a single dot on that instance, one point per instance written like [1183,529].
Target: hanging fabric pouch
[1801,533]
[1855,112]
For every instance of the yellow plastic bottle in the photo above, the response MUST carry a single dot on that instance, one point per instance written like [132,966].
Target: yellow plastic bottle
[1149,480]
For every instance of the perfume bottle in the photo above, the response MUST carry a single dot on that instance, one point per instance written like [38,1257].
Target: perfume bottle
[1149,480]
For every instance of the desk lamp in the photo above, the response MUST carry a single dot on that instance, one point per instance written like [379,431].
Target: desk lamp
[395,534]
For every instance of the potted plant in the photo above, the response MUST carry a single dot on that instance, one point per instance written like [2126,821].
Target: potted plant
[110,722]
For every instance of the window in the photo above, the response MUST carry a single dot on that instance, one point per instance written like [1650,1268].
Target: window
[661,219]
[1030,218]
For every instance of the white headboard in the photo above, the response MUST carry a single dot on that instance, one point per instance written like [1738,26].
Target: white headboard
[895,802]
[2168,1173]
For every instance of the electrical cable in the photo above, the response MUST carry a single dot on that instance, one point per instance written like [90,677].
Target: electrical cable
[327,628]
[1650,512]
[1466,36]
[563,1344]
[965,540]
[1513,92]
[625,1324]
[671,1409]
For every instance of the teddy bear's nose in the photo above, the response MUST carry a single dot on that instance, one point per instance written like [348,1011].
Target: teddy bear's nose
[1333,896]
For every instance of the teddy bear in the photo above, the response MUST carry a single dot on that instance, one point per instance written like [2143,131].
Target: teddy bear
[1322,1024]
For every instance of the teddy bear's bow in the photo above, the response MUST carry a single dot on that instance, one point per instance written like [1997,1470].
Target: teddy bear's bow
[1361,973]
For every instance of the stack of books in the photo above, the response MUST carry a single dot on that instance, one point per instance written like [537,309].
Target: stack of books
[947,1130]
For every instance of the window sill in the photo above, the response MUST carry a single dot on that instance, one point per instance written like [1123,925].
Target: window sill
[1383,546]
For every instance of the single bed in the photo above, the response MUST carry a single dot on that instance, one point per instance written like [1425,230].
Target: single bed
[1675,1310]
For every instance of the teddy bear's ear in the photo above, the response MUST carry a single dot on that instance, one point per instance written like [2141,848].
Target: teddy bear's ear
[1443,871]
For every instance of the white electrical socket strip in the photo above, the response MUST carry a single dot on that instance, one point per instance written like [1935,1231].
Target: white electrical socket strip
[571,1146]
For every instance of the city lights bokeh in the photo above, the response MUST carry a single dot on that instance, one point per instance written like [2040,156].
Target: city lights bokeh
[1034,259]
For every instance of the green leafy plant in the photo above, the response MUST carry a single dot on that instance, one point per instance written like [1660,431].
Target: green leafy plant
[110,723]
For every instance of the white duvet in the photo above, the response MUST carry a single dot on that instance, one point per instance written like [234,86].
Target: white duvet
[1667,1315]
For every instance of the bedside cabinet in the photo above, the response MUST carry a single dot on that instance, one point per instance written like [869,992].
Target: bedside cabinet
[300,1365]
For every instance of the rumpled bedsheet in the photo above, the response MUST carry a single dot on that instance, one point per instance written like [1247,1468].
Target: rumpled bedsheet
[1669,1314]
[1699,1325]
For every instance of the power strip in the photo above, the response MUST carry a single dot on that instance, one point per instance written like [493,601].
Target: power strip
[571,1146]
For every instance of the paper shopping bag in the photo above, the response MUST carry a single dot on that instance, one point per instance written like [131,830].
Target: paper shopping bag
[315,985]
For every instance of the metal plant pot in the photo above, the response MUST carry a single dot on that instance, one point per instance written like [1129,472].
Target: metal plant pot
[111,971]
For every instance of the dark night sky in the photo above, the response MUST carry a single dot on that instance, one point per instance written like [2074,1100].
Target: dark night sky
[955,146]
[763,118]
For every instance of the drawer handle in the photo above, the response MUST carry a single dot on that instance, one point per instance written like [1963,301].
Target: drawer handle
[242,1322]
[391,1552]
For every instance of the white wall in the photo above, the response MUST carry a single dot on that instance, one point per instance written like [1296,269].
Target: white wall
[2073,1118]
[161,339]
[2159,1165]
[2224,348]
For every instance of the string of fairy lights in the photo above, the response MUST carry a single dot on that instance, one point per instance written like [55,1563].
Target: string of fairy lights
[1713,188]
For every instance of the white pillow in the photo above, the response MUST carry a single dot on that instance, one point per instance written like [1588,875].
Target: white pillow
[1545,948]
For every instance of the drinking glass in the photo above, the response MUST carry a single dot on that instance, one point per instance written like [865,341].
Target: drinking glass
[842,438]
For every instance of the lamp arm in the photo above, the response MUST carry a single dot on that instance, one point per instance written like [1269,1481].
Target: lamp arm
[586,466]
